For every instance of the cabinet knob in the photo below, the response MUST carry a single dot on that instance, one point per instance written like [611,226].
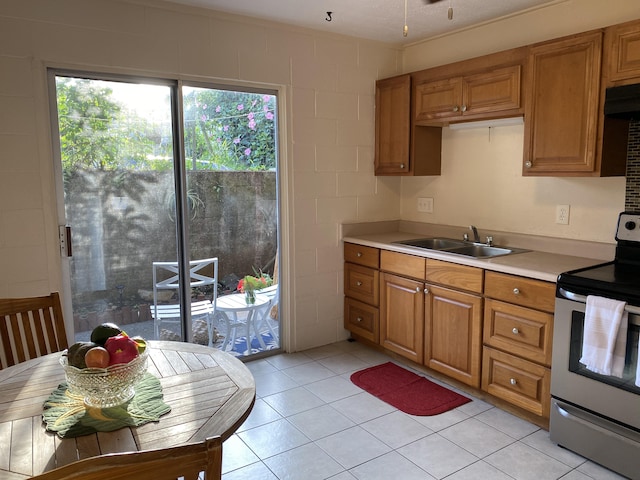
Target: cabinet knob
[402,166]
[418,289]
[359,284]
[359,319]
[464,108]
[516,291]
[528,164]
[515,331]
[359,254]
[513,381]
[426,291]
[456,108]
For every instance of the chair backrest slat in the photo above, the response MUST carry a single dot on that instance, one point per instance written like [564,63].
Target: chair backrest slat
[183,461]
[30,327]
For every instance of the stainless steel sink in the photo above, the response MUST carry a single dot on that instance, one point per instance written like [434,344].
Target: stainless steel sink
[460,247]
[480,251]
[433,243]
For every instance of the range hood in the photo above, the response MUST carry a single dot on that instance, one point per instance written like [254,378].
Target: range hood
[623,102]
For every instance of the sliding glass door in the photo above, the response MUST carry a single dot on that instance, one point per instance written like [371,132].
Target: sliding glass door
[171,195]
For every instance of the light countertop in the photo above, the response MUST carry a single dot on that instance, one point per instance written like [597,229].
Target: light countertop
[533,264]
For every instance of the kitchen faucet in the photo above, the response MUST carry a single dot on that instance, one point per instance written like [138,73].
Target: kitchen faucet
[476,237]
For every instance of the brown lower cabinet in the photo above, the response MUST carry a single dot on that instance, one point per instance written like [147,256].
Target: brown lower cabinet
[488,330]
[453,335]
[402,316]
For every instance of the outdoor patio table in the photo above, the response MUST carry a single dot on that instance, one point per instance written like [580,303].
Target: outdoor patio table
[210,393]
[236,303]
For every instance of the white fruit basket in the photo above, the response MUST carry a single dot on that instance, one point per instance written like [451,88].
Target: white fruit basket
[105,387]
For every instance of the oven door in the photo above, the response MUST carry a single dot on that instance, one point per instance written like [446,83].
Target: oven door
[594,415]
[615,398]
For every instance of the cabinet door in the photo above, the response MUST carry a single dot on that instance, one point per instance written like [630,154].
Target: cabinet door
[623,44]
[489,92]
[402,316]
[453,334]
[438,99]
[562,107]
[393,118]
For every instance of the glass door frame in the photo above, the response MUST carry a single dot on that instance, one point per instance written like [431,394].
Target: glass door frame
[180,176]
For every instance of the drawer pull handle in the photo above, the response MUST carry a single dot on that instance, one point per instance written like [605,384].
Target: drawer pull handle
[515,331]
[359,319]
[513,381]
[516,291]
[359,284]
[359,254]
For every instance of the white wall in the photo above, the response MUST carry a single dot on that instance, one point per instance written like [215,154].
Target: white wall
[481,181]
[328,86]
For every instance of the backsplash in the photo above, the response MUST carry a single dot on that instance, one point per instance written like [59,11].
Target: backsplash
[632,194]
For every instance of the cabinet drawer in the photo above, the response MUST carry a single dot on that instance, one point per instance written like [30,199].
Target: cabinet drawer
[362,283]
[518,330]
[517,381]
[521,291]
[454,275]
[361,319]
[367,256]
[402,264]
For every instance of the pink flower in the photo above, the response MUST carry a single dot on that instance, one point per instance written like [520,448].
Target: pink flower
[218,109]
[236,140]
[203,117]
[252,124]
[250,116]
[247,152]
[240,107]
[265,108]
[225,128]
[266,98]
[269,116]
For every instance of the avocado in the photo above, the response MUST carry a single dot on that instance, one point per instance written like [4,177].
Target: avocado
[76,352]
[100,334]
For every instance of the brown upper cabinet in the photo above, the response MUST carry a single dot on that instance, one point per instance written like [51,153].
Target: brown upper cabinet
[457,98]
[623,47]
[393,117]
[562,106]
[399,148]
[558,86]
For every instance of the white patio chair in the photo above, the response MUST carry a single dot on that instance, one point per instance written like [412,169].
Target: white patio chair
[201,273]
[265,317]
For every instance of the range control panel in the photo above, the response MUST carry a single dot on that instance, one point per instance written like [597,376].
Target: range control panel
[628,227]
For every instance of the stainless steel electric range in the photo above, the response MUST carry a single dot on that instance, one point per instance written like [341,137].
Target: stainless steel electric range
[594,415]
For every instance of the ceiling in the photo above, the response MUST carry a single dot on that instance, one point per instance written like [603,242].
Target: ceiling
[381,20]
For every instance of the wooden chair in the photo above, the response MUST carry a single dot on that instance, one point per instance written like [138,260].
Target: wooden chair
[30,327]
[185,461]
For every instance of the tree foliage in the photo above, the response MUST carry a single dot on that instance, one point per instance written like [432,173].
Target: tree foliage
[223,130]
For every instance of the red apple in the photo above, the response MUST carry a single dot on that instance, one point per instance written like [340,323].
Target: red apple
[121,348]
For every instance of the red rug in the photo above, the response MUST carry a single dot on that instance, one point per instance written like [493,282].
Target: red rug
[407,391]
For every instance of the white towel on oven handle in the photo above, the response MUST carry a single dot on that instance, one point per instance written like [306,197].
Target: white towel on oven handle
[604,341]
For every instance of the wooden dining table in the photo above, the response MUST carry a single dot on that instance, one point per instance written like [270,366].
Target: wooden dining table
[209,391]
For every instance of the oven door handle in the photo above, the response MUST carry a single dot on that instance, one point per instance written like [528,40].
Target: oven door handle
[583,299]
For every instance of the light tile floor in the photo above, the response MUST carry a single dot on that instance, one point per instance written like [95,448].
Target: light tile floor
[310,422]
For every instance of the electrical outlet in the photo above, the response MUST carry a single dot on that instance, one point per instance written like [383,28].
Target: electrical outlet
[562,214]
[425,204]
